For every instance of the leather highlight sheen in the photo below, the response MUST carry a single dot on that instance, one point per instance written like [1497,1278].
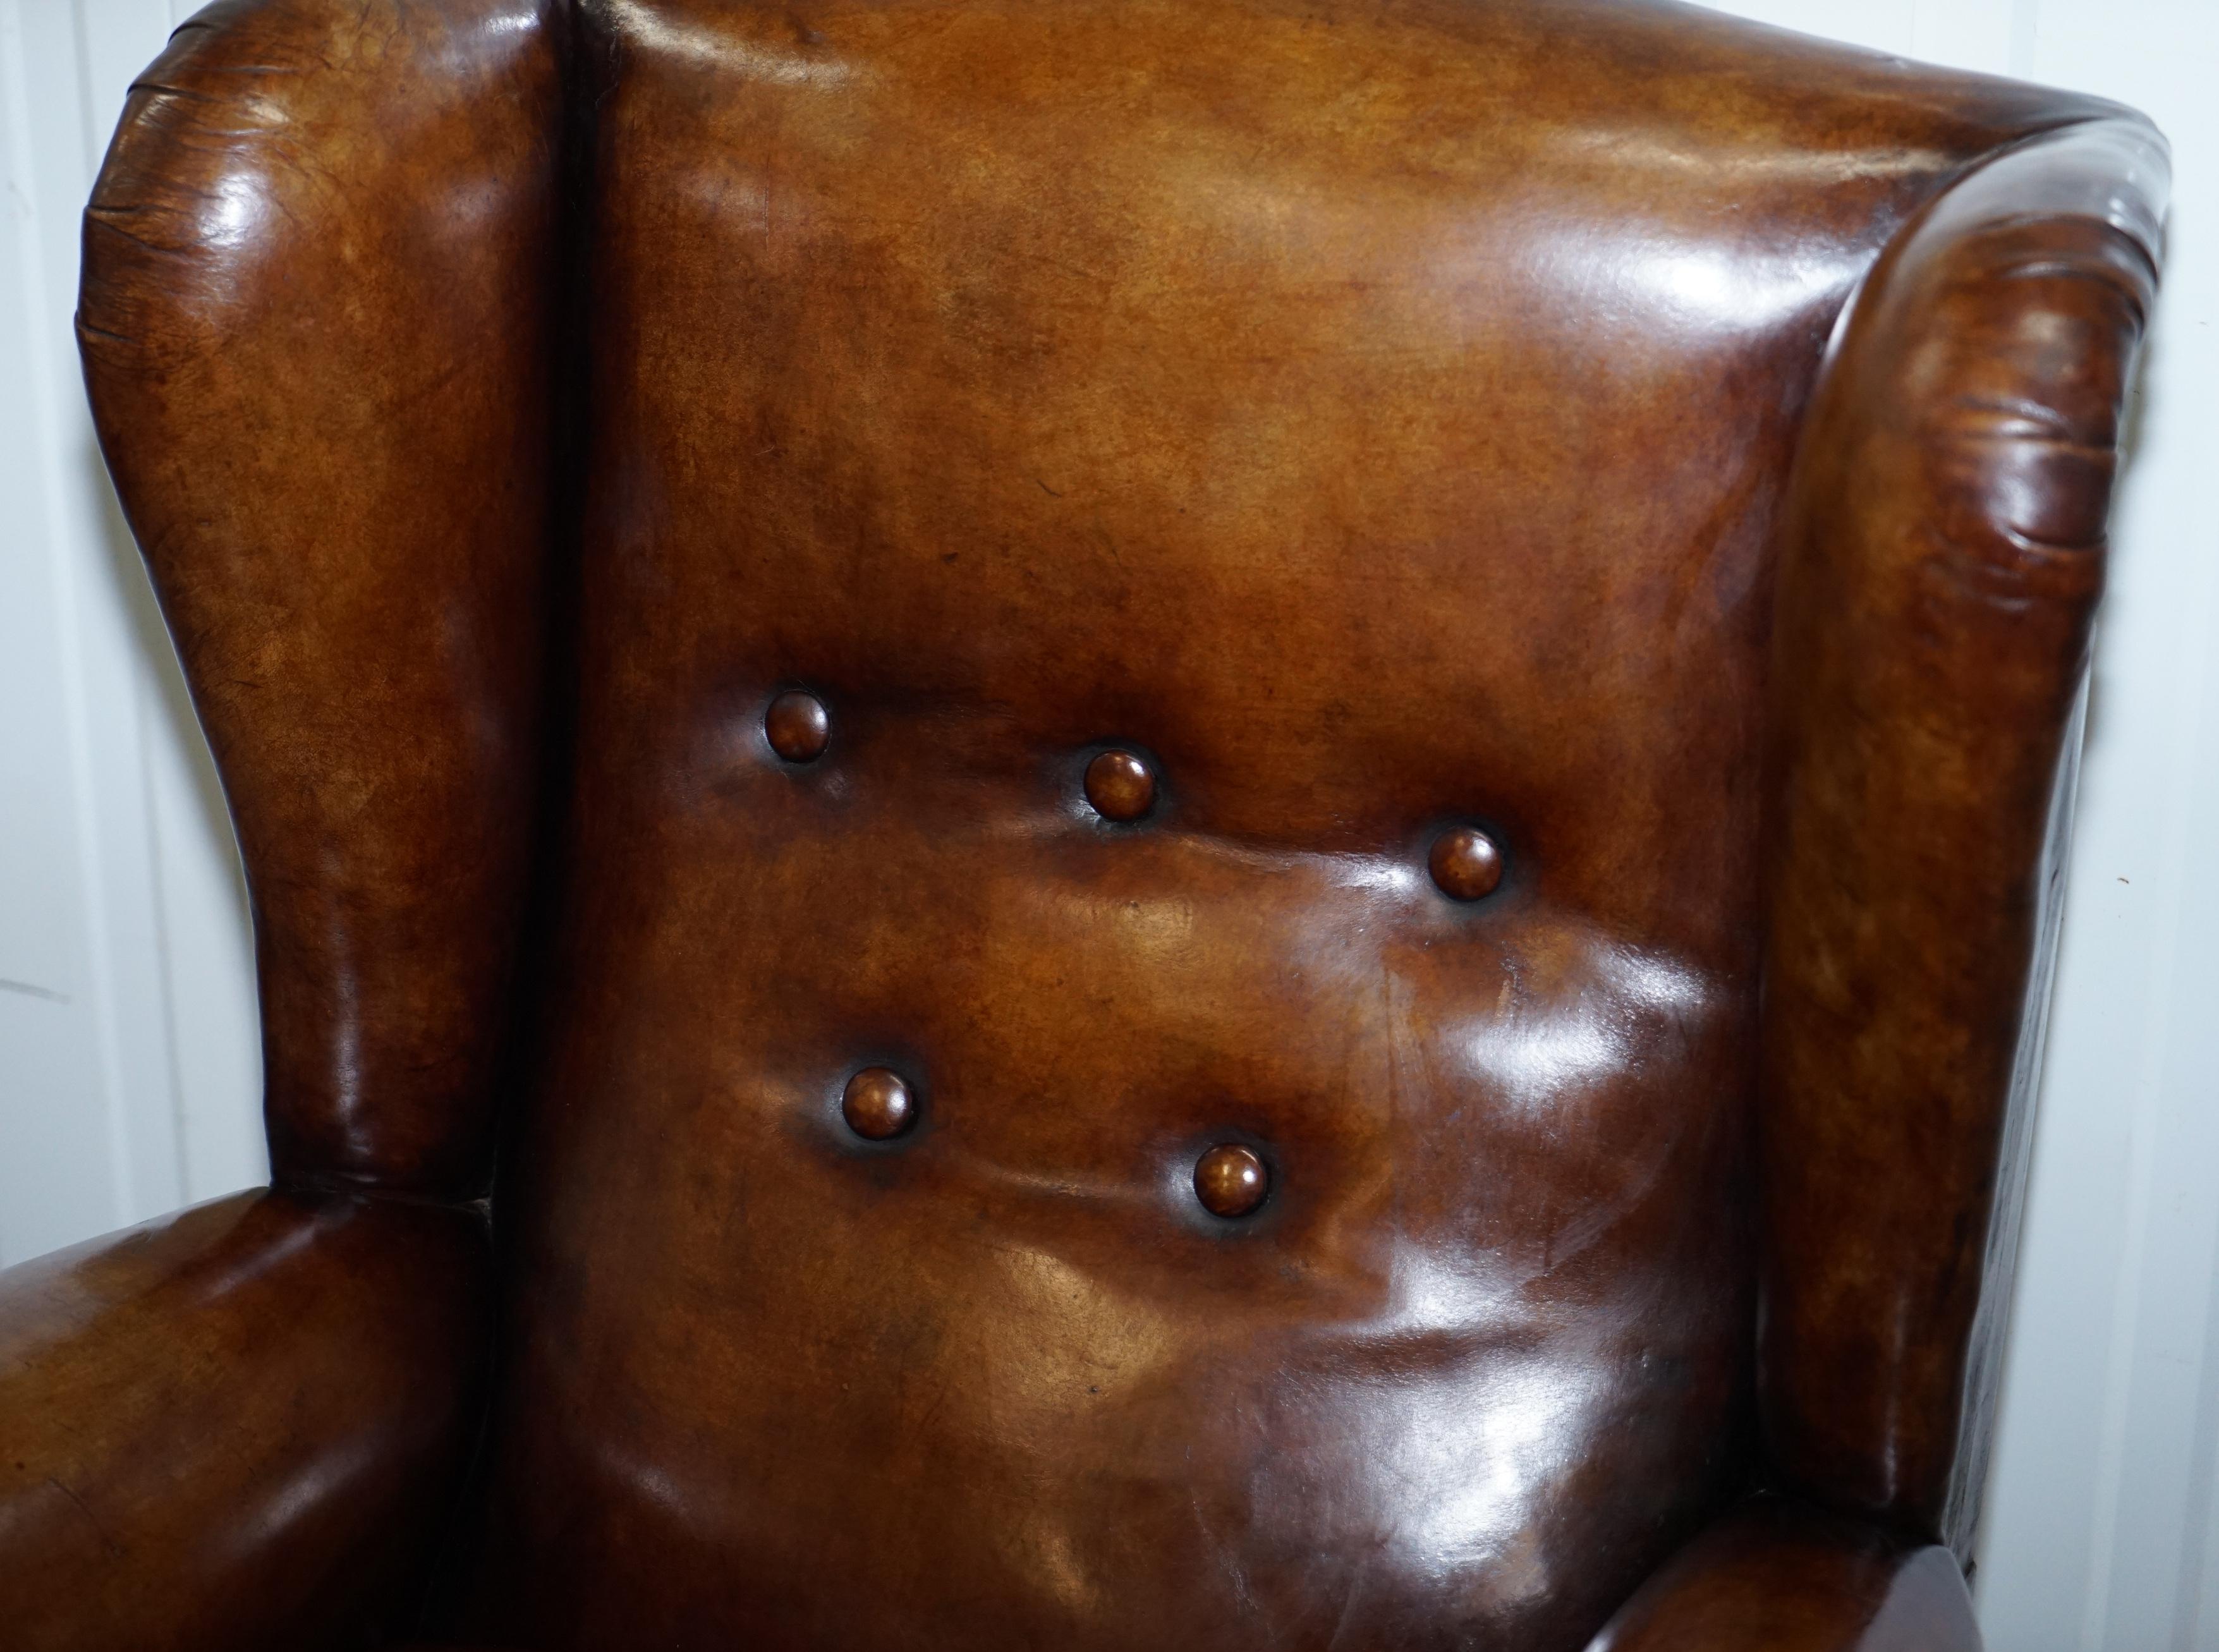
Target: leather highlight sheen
[1243,818]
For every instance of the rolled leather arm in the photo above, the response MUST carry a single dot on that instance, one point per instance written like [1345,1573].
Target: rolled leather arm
[1942,556]
[1777,1576]
[235,1427]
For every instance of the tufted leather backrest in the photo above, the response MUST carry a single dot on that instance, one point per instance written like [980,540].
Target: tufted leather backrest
[1297,1189]
[1378,425]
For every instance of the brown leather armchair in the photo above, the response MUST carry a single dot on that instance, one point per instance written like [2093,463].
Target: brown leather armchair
[1090,825]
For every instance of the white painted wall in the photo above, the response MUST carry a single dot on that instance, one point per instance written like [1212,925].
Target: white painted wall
[129,1064]
[129,1067]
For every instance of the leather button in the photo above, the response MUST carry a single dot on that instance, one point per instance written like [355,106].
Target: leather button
[877,1104]
[1120,785]
[1465,863]
[1230,1180]
[797,726]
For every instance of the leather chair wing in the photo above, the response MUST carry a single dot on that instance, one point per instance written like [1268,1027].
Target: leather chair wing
[318,319]
[1941,560]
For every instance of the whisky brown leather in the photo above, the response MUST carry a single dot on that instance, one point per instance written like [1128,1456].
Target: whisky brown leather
[1942,558]
[236,1427]
[318,326]
[1772,1576]
[711,484]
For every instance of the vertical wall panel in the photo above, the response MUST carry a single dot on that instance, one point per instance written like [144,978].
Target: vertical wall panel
[58,947]
[120,973]
[2101,1500]
[126,997]
[58,1170]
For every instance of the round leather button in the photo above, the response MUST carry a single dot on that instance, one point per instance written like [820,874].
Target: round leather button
[797,726]
[1465,863]
[1120,785]
[877,1104]
[1230,1180]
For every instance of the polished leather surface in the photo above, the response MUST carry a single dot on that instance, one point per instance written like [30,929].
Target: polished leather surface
[1375,473]
[1775,1576]
[1196,584]
[1940,566]
[238,1427]
[318,326]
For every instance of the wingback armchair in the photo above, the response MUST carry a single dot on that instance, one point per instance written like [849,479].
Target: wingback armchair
[1090,825]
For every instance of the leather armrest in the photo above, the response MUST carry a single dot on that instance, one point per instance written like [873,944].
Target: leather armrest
[1942,556]
[235,1427]
[1777,1576]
